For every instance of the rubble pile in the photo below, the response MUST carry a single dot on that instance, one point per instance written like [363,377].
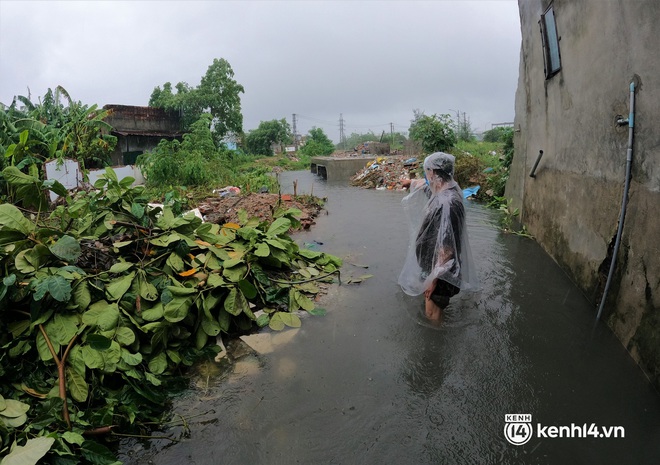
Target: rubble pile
[386,173]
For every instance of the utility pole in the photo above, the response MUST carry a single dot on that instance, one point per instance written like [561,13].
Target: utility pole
[342,138]
[295,136]
[391,135]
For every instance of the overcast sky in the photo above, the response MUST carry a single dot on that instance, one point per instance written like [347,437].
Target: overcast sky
[373,62]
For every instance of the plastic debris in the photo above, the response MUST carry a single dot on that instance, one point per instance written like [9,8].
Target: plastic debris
[229,191]
[470,191]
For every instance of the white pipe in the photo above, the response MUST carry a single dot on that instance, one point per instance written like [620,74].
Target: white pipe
[624,202]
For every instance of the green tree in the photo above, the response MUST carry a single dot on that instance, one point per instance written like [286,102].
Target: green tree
[259,141]
[317,144]
[217,94]
[195,161]
[497,134]
[75,131]
[434,132]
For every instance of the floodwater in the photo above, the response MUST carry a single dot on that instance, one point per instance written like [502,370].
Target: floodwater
[371,383]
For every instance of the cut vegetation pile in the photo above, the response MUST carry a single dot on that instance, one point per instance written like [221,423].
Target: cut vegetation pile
[104,301]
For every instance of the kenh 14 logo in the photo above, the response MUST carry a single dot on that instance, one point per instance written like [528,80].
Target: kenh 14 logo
[518,428]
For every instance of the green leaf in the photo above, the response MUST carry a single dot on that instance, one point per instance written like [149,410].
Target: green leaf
[131,358]
[125,336]
[102,314]
[304,302]
[276,323]
[210,327]
[15,177]
[177,309]
[215,280]
[118,286]
[154,313]
[278,227]
[55,186]
[148,291]
[290,319]
[73,438]
[318,311]
[175,262]
[14,408]
[182,290]
[234,274]
[29,454]
[158,364]
[14,422]
[263,320]
[120,267]
[309,253]
[262,250]
[152,378]
[98,342]
[137,210]
[16,328]
[247,288]
[95,452]
[66,248]
[76,385]
[235,302]
[81,295]
[92,357]
[42,348]
[62,328]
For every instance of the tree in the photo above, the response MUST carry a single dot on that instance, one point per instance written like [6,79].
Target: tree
[259,141]
[434,132]
[218,94]
[76,131]
[498,134]
[317,144]
[195,161]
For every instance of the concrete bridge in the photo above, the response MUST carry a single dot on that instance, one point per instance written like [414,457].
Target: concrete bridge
[337,169]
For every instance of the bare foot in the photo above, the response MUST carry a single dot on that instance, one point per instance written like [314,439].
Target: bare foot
[433,312]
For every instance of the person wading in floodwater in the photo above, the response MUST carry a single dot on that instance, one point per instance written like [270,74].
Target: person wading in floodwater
[439,262]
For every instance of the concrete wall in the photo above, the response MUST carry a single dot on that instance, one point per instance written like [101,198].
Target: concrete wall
[572,206]
[338,169]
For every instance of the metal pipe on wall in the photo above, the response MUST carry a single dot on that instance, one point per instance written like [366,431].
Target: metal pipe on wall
[624,202]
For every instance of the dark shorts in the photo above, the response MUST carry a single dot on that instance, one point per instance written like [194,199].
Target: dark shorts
[443,292]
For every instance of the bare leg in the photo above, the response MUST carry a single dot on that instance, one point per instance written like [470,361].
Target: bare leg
[433,311]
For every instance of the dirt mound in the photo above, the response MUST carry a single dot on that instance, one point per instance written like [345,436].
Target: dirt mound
[225,209]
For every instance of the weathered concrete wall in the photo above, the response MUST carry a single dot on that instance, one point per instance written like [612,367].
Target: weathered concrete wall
[337,169]
[572,206]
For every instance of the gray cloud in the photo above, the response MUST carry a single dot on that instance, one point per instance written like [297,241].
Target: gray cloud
[372,61]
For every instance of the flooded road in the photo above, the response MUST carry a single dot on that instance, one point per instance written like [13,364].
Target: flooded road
[371,383]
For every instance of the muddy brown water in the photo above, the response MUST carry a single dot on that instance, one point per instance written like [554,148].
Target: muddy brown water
[371,383]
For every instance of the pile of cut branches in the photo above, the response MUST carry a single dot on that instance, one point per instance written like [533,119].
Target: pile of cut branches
[104,302]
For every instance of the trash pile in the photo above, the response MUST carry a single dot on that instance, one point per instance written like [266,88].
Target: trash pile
[386,173]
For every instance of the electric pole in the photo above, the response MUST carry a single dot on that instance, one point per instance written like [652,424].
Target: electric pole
[295,136]
[342,138]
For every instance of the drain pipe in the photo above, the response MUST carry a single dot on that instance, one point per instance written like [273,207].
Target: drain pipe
[624,202]
[538,159]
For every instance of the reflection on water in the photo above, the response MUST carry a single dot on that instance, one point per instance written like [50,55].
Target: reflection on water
[371,383]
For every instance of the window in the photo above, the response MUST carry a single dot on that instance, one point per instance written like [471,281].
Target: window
[550,43]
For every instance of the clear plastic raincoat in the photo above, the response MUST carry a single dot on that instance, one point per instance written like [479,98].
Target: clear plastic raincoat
[439,246]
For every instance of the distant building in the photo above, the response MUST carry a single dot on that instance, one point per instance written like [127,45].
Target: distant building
[139,129]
